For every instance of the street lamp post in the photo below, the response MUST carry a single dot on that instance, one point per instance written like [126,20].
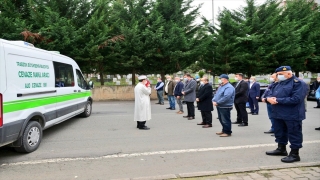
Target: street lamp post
[213,75]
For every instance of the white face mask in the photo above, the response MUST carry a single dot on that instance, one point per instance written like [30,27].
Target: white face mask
[201,82]
[176,80]
[281,77]
[251,80]
[271,79]
[185,79]
[237,79]
[219,81]
[168,79]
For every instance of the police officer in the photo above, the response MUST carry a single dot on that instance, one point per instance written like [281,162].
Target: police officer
[288,111]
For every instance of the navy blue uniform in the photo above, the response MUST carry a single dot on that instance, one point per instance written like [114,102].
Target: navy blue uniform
[289,112]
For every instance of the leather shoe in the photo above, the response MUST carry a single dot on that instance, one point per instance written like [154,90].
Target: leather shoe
[168,108]
[173,108]
[254,113]
[158,103]
[317,107]
[280,151]
[243,124]
[144,128]
[201,123]
[162,104]
[236,122]
[269,132]
[185,116]
[317,128]
[207,126]
[190,118]
[293,156]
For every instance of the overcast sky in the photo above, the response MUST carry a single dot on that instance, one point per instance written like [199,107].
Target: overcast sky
[206,9]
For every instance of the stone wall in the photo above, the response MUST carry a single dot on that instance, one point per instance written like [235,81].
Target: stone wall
[121,93]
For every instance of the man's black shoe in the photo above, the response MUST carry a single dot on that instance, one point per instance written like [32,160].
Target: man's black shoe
[317,128]
[254,113]
[269,132]
[317,107]
[168,108]
[162,104]
[243,124]
[158,103]
[236,122]
[144,128]
[280,151]
[173,108]
[293,156]
[185,116]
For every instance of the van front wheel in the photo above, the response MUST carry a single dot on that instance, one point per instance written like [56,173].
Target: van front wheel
[87,109]
[31,138]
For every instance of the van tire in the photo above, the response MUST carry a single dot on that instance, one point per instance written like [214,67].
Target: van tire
[31,138]
[87,109]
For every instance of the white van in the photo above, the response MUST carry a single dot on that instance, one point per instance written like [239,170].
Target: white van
[38,89]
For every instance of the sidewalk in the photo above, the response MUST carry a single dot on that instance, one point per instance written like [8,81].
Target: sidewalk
[294,171]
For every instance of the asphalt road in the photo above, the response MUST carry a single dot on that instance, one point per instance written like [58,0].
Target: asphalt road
[107,145]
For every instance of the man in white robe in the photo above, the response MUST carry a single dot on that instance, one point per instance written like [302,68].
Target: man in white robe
[142,108]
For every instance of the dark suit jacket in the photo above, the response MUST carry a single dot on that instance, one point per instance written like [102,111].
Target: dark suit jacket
[254,91]
[205,98]
[178,89]
[241,92]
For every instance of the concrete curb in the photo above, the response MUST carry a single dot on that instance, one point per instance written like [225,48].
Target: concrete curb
[224,171]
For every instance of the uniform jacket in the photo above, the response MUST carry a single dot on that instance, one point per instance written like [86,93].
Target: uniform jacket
[190,91]
[290,96]
[254,91]
[170,85]
[142,106]
[241,91]
[178,89]
[205,97]
[225,96]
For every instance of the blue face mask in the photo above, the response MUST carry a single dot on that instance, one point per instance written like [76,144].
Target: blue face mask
[281,77]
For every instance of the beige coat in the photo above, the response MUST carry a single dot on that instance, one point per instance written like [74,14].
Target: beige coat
[142,106]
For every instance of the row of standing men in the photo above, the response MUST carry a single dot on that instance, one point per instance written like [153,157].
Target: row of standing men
[285,96]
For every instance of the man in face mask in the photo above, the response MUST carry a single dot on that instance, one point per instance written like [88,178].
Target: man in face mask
[273,81]
[288,111]
[170,94]
[159,89]
[189,92]
[240,100]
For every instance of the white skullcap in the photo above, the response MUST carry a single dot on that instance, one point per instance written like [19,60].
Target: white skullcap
[142,77]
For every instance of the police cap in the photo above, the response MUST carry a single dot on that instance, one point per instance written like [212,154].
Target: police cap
[283,68]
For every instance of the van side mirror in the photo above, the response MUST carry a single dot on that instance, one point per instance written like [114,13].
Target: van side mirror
[90,85]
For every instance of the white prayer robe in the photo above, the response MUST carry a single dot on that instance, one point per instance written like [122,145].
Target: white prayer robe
[142,105]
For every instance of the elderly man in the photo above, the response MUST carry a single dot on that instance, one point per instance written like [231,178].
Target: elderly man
[273,82]
[189,92]
[169,92]
[254,95]
[288,111]
[223,100]
[204,97]
[159,89]
[178,93]
[240,100]
[142,108]
[318,99]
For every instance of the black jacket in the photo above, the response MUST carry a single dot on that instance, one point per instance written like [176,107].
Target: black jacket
[205,98]
[241,92]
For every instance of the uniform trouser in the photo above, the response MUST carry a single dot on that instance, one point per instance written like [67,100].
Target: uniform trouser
[288,130]
[172,101]
[179,102]
[160,96]
[269,109]
[254,105]
[190,107]
[206,117]
[225,120]
[242,115]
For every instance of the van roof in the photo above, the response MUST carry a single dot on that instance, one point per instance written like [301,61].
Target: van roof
[29,45]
